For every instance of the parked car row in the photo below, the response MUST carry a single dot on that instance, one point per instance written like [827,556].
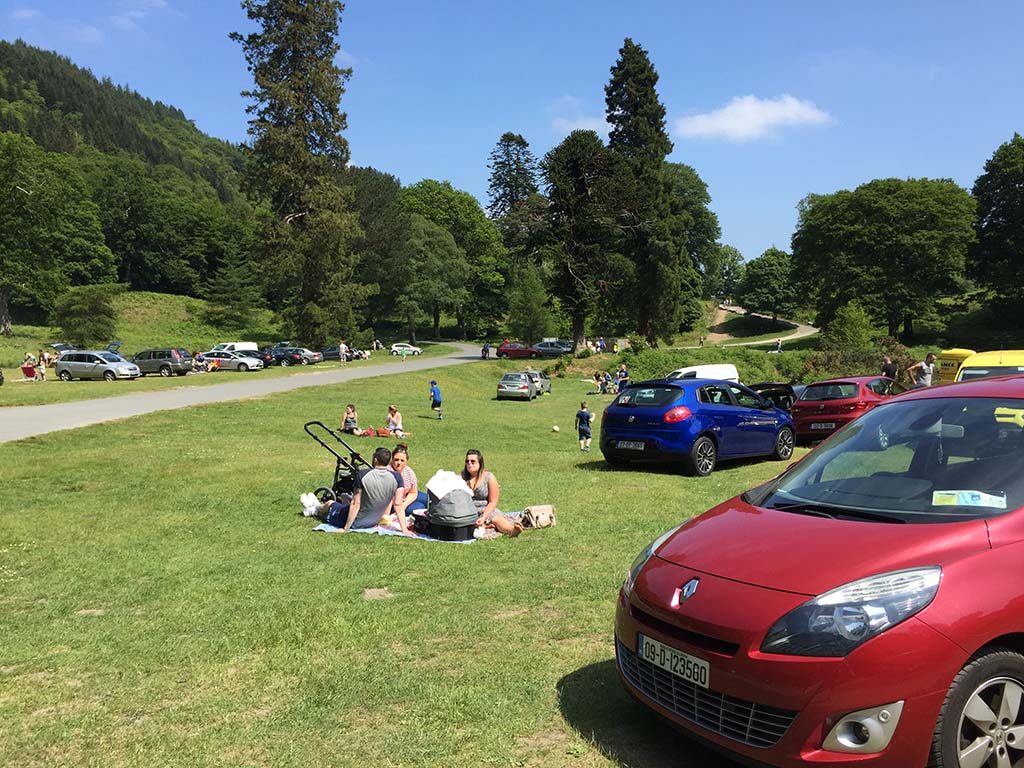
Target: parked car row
[523,385]
[516,349]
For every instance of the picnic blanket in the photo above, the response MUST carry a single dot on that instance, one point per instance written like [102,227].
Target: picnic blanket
[382,530]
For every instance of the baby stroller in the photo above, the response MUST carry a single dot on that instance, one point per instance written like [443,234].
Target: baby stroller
[345,468]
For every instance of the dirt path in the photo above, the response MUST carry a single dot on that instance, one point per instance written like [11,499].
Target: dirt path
[794,331]
[19,422]
[712,337]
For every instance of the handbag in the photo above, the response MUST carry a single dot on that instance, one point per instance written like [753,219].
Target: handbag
[539,516]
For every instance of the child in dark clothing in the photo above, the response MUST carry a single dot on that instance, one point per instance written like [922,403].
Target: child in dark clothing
[583,419]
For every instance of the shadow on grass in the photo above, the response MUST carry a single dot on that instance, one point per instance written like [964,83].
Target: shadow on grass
[664,468]
[595,705]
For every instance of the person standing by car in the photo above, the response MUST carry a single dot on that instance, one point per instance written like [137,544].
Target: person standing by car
[435,399]
[622,376]
[922,372]
[41,367]
[583,419]
[889,369]
[342,352]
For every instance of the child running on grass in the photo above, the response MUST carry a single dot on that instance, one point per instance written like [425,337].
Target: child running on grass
[583,419]
[435,398]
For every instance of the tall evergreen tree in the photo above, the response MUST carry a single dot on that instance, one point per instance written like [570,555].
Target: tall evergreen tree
[513,178]
[655,243]
[296,159]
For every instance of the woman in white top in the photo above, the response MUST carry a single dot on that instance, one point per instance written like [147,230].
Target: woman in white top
[393,421]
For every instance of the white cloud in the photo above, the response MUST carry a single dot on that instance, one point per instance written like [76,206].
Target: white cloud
[134,12]
[85,33]
[569,116]
[24,14]
[746,118]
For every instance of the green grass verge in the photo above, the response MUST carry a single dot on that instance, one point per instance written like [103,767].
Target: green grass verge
[162,604]
[55,391]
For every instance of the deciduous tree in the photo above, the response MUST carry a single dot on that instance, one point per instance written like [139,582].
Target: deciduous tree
[998,258]
[767,285]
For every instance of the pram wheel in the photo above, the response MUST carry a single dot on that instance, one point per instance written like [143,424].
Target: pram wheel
[325,494]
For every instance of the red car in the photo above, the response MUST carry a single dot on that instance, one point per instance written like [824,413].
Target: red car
[516,349]
[864,608]
[825,406]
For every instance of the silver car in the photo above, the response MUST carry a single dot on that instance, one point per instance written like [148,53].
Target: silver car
[232,361]
[95,364]
[540,381]
[518,386]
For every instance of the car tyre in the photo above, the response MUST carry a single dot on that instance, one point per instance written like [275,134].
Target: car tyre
[305,361]
[285,363]
[165,371]
[243,367]
[64,376]
[989,677]
[784,443]
[109,375]
[703,456]
[533,355]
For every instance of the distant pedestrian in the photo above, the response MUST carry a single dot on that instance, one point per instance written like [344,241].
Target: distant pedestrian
[435,398]
[600,345]
[622,376]
[41,367]
[778,345]
[922,372]
[583,419]
[889,369]
[342,352]
[700,342]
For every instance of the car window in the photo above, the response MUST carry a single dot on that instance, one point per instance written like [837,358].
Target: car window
[110,357]
[838,390]
[648,396]
[514,377]
[966,374]
[745,397]
[144,356]
[713,394]
[918,460]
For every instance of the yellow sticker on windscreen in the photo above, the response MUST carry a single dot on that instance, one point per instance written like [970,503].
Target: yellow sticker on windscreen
[1010,416]
[967,499]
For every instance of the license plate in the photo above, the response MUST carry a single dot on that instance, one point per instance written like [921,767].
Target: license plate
[682,665]
[630,445]
[824,425]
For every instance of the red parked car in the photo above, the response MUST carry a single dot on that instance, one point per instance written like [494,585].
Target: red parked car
[864,608]
[516,349]
[825,406]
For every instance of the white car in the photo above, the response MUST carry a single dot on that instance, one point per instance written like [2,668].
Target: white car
[232,361]
[408,349]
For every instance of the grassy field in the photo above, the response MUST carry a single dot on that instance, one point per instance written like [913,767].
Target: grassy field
[162,603]
[55,391]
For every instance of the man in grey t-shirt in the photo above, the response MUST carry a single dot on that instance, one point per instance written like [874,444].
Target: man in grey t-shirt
[376,491]
[922,372]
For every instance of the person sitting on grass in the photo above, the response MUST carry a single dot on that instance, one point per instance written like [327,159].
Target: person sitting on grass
[350,421]
[412,498]
[486,493]
[393,421]
[375,493]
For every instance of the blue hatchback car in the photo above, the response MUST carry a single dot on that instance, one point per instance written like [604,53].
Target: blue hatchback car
[698,421]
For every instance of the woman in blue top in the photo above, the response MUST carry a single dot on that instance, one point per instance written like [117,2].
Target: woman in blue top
[583,419]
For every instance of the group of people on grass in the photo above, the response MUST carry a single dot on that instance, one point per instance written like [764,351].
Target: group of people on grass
[36,365]
[606,383]
[392,419]
[390,488]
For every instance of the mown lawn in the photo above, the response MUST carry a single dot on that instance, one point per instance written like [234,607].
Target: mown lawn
[55,391]
[162,604]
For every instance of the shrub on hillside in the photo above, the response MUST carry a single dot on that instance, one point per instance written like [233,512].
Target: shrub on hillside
[850,329]
[834,363]
[86,314]
[753,365]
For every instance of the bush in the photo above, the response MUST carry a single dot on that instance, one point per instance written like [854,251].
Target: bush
[637,343]
[850,329]
[753,365]
[86,314]
[584,353]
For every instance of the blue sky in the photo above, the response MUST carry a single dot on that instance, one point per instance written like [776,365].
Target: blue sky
[768,101]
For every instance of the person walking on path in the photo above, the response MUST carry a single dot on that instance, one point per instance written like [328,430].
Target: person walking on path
[778,345]
[922,372]
[889,369]
[583,419]
[435,398]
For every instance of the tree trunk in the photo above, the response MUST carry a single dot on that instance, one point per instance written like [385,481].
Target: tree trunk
[894,325]
[5,313]
[577,329]
[908,328]
[412,333]
[437,322]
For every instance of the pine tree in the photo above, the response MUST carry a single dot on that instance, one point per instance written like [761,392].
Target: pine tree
[665,280]
[297,155]
[513,176]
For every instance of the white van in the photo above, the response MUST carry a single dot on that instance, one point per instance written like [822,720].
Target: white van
[237,346]
[720,371]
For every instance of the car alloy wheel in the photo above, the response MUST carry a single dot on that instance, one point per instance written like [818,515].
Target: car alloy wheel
[243,367]
[703,456]
[305,361]
[165,371]
[285,363]
[109,376]
[784,444]
[64,376]
[981,722]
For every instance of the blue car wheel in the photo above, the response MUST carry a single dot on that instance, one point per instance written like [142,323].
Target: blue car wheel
[703,456]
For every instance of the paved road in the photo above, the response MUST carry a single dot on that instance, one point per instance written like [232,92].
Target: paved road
[29,420]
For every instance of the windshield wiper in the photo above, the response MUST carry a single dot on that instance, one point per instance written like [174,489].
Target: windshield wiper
[836,513]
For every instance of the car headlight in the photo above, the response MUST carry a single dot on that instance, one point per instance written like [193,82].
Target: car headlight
[835,623]
[642,558]
[123,369]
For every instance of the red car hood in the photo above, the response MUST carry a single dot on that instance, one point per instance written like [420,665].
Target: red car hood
[810,555]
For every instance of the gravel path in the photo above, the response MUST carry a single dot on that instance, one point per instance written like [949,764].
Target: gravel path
[19,422]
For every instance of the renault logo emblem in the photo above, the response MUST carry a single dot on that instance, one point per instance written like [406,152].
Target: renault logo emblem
[689,590]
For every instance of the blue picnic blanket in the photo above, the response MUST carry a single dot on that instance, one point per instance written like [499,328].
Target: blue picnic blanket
[382,531]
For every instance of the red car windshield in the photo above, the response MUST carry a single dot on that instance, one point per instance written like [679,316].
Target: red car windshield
[914,461]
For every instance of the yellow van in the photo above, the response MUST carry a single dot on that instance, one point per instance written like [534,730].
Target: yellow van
[1006,362]
[949,363]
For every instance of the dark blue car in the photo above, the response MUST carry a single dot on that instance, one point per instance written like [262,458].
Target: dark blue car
[697,421]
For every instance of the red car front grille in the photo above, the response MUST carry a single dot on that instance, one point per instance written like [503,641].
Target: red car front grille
[753,724]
